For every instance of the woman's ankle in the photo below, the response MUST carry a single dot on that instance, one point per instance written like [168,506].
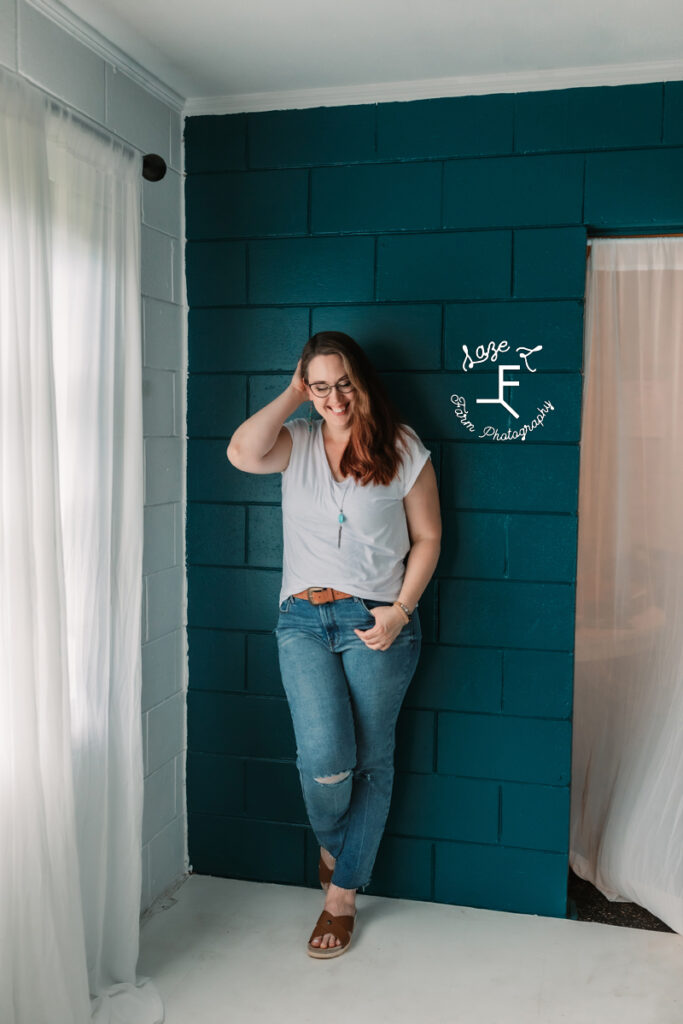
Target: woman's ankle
[335,894]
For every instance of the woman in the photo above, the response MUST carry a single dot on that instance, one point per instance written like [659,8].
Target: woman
[358,494]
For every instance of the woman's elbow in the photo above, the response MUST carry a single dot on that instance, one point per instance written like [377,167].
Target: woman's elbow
[233,455]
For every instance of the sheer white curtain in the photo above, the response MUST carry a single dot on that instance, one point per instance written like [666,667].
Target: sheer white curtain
[71,505]
[627,770]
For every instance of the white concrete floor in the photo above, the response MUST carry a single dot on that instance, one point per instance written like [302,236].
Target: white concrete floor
[230,951]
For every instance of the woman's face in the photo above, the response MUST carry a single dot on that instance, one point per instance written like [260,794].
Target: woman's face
[336,407]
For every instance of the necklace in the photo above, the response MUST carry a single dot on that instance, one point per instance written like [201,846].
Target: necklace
[341,517]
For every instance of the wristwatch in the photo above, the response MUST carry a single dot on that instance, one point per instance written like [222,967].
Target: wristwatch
[404,608]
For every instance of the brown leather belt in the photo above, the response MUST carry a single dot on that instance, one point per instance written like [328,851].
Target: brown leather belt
[321,595]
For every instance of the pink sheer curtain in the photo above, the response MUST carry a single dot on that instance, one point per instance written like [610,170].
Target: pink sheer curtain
[627,768]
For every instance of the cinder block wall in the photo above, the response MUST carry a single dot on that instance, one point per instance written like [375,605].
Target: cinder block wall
[56,59]
[417,228]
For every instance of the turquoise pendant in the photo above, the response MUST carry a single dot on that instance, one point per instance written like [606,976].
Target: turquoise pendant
[342,517]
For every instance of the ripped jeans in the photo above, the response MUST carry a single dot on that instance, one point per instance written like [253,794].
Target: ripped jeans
[344,699]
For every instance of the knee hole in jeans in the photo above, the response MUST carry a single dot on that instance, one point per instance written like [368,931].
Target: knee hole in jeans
[332,779]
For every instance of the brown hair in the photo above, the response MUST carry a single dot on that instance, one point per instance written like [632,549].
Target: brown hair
[371,456]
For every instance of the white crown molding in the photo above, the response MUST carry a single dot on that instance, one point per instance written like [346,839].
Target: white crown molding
[432,88]
[109,52]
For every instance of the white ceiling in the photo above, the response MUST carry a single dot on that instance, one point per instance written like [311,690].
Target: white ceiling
[225,55]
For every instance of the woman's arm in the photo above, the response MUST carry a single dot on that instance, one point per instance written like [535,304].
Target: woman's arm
[261,444]
[423,514]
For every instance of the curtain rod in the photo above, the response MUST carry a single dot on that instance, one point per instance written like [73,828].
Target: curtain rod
[153,165]
[85,122]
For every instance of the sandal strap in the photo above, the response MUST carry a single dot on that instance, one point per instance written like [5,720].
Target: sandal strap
[340,926]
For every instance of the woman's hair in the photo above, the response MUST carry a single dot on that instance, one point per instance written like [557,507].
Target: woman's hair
[371,456]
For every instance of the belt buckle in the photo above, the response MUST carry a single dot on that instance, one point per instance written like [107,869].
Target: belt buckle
[316,590]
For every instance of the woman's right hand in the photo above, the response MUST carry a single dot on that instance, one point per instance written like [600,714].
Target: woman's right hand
[297,383]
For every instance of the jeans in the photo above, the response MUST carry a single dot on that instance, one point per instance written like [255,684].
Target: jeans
[344,698]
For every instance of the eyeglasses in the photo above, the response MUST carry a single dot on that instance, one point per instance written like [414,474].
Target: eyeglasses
[322,390]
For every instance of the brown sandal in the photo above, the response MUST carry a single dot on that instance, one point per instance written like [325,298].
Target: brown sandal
[324,873]
[341,927]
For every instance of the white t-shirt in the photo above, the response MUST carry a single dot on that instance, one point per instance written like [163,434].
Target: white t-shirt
[374,537]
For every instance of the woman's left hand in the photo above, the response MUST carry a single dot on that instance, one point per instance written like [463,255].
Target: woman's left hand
[389,621]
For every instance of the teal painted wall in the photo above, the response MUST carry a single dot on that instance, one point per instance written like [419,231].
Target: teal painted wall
[417,228]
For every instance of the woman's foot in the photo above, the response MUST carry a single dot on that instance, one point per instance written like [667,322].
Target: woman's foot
[338,902]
